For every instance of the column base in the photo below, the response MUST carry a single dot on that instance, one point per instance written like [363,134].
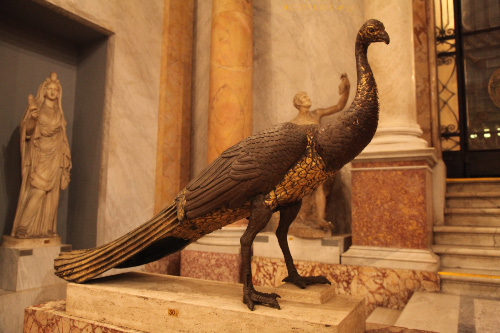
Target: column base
[414,259]
[397,139]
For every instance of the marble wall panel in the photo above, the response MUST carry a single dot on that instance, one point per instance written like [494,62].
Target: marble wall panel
[170,265]
[126,195]
[295,48]
[211,265]
[201,67]
[384,287]
[301,46]
[390,204]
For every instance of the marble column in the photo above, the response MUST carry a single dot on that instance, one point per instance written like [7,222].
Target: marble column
[394,69]
[230,92]
[394,180]
[174,114]
[217,255]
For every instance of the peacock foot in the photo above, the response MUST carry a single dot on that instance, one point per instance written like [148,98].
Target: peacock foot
[303,281]
[252,297]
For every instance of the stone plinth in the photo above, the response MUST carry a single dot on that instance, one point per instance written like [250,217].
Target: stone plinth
[383,287]
[27,277]
[27,268]
[324,250]
[29,243]
[392,208]
[158,303]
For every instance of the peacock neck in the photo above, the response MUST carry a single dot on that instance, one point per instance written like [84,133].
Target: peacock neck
[366,92]
[355,127]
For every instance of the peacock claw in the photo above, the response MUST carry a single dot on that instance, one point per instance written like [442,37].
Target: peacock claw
[252,297]
[303,281]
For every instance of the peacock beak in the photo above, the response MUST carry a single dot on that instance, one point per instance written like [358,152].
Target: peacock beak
[385,37]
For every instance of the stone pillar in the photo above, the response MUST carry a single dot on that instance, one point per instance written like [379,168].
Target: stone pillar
[393,179]
[174,114]
[394,67]
[217,255]
[230,92]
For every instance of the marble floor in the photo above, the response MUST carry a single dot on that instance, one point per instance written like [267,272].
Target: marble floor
[440,313]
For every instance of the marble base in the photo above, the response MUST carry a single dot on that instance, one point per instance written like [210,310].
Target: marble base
[422,260]
[216,256]
[13,303]
[28,268]
[392,199]
[325,250]
[384,287]
[150,302]
[214,266]
[52,317]
[29,243]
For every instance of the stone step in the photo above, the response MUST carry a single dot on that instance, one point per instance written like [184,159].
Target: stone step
[473,199]
[480,217]
[472,184]
[478,283]
[485,258]
[472,236]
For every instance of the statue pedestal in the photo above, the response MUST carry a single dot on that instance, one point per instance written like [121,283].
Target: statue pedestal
[27,277]
[28,267]
[29,243]
[159,303]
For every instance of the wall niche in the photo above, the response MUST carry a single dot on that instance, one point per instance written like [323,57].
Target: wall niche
[37,38]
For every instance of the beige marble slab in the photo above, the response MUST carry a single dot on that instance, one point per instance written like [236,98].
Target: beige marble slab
[22,269]
[431,311]
[158,303]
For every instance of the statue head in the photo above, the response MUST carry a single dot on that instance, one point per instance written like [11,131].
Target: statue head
[301,100]
[373,31]
[51,87]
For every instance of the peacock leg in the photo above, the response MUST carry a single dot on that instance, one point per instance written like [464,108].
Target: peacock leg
[287,216]
[259,216]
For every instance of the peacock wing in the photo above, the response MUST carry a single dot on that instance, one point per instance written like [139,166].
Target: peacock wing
[254,165]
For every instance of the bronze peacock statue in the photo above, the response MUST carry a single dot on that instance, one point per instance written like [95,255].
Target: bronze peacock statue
[266,172]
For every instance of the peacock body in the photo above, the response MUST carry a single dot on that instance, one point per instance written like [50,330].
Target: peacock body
[266,172]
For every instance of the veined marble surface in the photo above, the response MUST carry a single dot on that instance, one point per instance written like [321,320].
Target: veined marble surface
[128,160]
[386,287]
[22,269]
[296,48]
[301,46]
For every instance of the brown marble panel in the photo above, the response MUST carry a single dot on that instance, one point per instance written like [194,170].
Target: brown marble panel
[211,265]
[357,165]
[52,317]
[390,208]
[390,288]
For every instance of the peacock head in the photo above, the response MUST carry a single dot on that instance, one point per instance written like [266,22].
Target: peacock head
[373,31]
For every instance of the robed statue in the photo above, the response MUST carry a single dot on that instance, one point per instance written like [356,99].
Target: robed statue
[45,162]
